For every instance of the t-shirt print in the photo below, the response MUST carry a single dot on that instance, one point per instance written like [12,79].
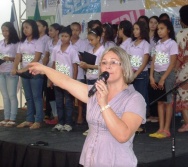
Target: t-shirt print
[162,58]
[5,55]
[136,61]
[27,58]
[62,68]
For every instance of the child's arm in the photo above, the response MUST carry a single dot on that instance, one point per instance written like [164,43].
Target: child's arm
[171,66]
[144,63]
[75,71]
[84,65]
[53,65]
[36,59]
[50,83]
[16,62]
[46,58]
[76,88]
[152,80]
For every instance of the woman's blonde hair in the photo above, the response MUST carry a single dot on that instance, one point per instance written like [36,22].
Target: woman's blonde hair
[125,63]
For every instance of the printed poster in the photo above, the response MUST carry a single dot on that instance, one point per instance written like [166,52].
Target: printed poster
[116,17]
[164,3]
[80,6]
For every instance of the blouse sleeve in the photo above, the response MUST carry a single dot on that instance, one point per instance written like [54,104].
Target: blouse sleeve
[139,108]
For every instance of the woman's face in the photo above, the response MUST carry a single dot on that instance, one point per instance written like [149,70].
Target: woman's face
[27,29]
[112,64]
[153,24]
[41,28]
[65,38]
[93,39]
[163,31]
[52,32]
[120,32]
[136,31]
[103,33]
[76,30]
[5,32]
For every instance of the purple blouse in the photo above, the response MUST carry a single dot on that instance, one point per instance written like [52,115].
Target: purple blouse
[101,149]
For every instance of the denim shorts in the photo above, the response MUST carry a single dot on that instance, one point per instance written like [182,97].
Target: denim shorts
[169,82]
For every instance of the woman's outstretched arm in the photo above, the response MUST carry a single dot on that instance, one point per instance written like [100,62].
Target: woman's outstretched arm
[74,87]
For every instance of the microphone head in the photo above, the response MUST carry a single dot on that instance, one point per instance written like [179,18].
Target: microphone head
[104,75]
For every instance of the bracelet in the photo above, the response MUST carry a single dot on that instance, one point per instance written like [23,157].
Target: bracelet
[105,107]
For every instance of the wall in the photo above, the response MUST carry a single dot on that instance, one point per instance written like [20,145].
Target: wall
[112,11]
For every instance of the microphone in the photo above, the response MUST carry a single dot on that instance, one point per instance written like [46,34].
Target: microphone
[104,76]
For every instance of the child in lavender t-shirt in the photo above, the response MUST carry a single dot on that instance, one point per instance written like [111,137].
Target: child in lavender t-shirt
[94,36]
[139,54]
[30,50]
[80,45]
[108,36]
[54,31]
[65,59]
[124,33]
[8,82]
[162,76]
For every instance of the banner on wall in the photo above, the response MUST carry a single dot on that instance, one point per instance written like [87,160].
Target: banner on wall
[81,6]
[116,17]
[112,11]
[164,3]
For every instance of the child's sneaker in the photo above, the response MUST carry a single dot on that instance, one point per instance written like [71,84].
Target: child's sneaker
[3,123]
[58,127]
[67,127]
[86,132]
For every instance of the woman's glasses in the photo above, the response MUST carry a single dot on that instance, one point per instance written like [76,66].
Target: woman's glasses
[112,63]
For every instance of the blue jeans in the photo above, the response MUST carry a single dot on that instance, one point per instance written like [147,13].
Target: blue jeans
[64,109]
[33,94]
[8,88]
[141,84]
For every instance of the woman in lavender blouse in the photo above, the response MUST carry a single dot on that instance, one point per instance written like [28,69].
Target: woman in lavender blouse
[112,115]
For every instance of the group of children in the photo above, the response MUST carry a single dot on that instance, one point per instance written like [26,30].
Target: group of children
[149,42]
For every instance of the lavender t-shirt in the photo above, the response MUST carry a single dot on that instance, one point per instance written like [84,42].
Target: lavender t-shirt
[80,46]
[49,48]
[152,49]
[101,149]
[27,49]
[44,40]
[64,60]
[137,54]
[109,44]
[87,45]
[125,44]
[163,51]
[92,74]
[7,51]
